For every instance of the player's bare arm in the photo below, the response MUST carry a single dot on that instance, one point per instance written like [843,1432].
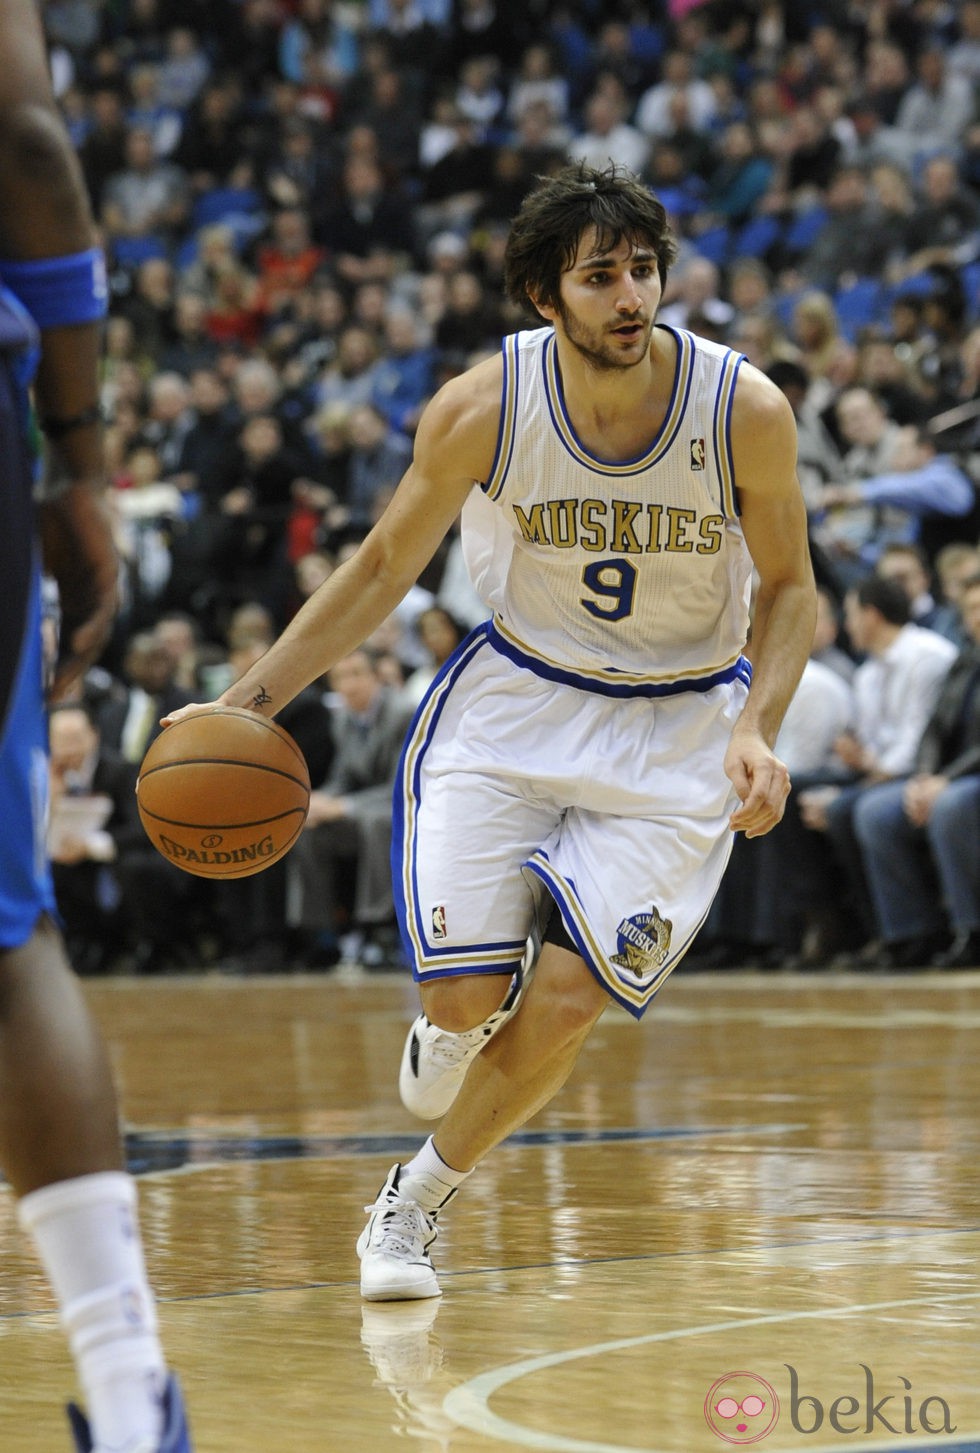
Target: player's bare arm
[774,522]
[454,448]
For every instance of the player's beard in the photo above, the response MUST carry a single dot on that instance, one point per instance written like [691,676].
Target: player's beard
[600,349]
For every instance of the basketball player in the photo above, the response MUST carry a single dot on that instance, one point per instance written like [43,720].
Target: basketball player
[59,1135]
[582,760]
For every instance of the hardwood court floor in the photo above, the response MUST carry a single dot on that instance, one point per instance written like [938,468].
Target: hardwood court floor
[772,1176]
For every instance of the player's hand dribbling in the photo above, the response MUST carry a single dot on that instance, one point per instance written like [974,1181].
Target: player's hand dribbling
[193,708]
[761,780]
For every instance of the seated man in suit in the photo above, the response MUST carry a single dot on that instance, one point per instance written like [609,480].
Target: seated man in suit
[130,722]
[350,818]
[93,814]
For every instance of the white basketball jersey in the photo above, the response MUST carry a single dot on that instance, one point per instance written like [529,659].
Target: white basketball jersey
[613,574]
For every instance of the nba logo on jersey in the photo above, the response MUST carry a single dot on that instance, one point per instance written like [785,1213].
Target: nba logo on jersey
[697,453]
[439,921]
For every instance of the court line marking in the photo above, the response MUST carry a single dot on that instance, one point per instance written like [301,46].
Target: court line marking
[468,1403]
[217,1149]
[575,1263]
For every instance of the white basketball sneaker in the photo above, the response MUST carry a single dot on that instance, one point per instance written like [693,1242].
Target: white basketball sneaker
[435,1061]
[394,1245]
[434,1064]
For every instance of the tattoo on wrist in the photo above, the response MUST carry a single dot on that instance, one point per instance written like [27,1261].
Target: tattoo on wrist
[261,698]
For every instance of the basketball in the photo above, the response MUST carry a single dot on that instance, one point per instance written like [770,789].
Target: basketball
[223,793]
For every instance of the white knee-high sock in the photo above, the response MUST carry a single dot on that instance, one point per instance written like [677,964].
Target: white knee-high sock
[87,1237]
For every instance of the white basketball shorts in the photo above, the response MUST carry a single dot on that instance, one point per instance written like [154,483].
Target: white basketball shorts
[514,789]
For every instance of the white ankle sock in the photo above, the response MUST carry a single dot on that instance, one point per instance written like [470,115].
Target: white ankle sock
[432,1180]
[88,1239]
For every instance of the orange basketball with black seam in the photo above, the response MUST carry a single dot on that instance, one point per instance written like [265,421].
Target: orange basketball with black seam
[223,793]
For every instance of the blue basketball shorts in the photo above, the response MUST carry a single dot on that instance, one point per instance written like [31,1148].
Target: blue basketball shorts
[26,889]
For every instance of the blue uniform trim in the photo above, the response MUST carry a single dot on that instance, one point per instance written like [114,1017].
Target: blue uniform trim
[573,915]
[464,967]
[729,456]
[507,428]
[666,434]
[59,291]
[740,670]
[721,432]
[479,958]
[580,930]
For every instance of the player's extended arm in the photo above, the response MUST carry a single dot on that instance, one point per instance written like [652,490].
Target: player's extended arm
[453,448]
[774,522]
[45,218]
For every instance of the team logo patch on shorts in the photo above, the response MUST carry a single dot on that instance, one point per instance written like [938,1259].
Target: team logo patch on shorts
[643,942]
[439,921]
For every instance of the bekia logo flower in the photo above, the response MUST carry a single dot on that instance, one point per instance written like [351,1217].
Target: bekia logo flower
[741,1408]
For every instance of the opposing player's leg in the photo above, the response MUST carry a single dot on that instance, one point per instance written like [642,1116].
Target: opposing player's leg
[57,1104]
[59,1128]
[60,1148]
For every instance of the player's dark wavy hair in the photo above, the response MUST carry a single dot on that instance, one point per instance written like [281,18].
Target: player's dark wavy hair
[545,234]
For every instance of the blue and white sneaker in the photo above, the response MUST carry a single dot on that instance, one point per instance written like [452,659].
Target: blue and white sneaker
[176,1435]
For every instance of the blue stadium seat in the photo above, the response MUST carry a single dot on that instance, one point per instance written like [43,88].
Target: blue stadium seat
[804,230]
[970,276]
[756,237]
[713,244]
[222,202]
[238,208]
[919,284]
[783,305]
[129,252]
[186,254]
[862,303]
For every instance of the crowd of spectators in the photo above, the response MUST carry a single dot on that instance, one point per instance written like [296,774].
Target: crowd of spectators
[304,205]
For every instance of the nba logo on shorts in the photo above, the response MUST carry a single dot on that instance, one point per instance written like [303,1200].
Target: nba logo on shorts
[697,453]
[439,922]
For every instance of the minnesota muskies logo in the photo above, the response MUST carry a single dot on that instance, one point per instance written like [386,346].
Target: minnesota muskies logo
[643,942]
[211,853]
